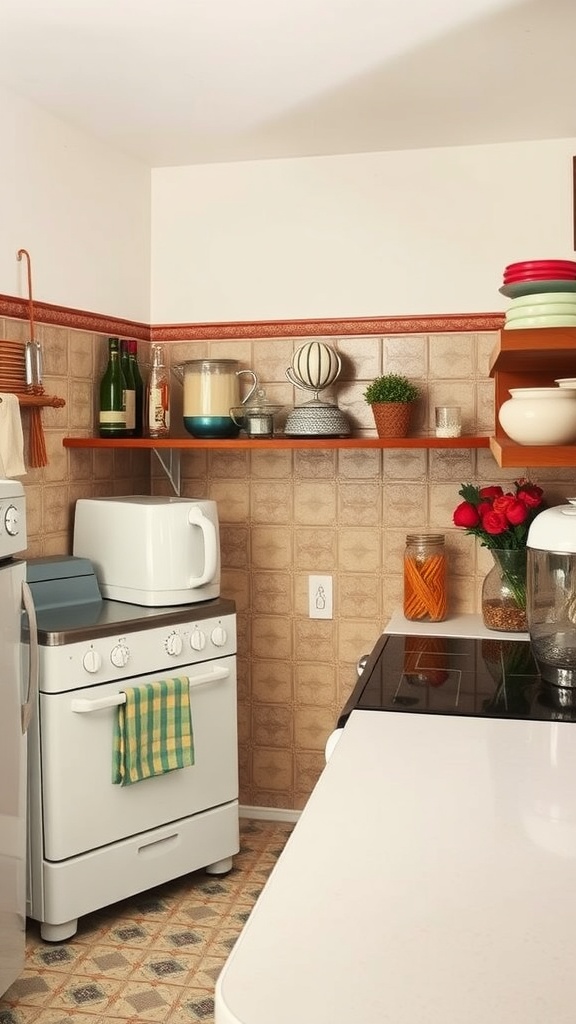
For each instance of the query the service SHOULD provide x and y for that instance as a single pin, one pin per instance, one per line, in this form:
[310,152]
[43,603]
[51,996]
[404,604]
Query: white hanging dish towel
[11,437]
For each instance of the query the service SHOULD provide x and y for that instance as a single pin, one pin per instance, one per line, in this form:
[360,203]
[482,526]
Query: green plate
[512,291]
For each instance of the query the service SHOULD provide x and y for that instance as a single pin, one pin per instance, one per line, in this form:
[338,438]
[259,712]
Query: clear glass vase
[504,591]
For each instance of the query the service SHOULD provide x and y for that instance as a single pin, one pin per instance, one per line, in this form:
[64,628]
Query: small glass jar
[425,597]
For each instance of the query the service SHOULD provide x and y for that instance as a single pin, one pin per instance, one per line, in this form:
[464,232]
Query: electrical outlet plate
[320,597]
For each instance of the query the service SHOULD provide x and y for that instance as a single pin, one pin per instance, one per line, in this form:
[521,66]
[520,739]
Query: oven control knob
[11,521]
[173,644]
[198,640]
[219,636]
[92,660]
[120,655]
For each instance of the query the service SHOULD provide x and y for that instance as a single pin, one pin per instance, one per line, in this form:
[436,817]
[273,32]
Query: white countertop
[431,879]
[458,625]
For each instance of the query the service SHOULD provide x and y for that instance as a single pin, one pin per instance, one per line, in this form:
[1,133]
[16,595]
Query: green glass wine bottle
[139,386]
[112,414]
[130,389]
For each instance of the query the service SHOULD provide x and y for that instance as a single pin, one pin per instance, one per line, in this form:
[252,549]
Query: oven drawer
[83,810]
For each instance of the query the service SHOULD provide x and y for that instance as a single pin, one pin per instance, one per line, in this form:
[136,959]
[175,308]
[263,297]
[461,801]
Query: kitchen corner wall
[286,514]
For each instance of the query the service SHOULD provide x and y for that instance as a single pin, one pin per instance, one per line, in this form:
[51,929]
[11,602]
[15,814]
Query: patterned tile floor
[154,957]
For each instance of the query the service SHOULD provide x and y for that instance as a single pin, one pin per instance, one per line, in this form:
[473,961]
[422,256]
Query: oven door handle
[82,706]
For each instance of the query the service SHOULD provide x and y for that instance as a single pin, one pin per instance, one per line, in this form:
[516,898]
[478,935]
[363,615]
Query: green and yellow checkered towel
[153,731]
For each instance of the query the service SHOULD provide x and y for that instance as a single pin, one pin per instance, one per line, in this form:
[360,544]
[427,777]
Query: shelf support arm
[169,459]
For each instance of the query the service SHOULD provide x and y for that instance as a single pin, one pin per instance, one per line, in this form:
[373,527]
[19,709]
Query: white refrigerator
[18,684]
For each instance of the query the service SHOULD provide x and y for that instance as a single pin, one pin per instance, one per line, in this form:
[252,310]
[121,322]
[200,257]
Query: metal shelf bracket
[169,459]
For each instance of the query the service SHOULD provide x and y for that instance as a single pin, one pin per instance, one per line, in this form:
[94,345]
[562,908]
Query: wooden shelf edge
[244,443]
[40,401]
[508,453]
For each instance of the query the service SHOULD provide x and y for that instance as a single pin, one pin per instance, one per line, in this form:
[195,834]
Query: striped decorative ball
[316,365]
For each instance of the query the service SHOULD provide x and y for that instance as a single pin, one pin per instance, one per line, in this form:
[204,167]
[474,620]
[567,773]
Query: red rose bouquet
[500,520]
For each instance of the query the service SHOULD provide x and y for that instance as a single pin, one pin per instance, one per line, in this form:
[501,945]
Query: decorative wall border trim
[76,319]
[79,320]
[433,324]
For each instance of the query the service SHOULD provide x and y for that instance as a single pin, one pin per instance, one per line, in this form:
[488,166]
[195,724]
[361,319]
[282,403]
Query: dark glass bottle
[130,390]
[112,414]
[139,386]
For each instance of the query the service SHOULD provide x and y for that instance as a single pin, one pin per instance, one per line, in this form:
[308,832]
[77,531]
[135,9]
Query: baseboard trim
[268,813]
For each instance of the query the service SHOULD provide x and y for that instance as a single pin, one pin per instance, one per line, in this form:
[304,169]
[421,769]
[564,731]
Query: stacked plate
[543,294]
[12,367]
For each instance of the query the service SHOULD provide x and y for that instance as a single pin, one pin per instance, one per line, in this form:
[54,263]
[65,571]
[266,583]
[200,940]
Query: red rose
[516,513]
[490,492]
[530,494]
[502,504]
[466,515]
[494,523]
[483,508]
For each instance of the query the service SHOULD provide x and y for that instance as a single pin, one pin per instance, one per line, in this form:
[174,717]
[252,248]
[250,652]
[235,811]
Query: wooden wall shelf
[524,359]
[263,444]
[41,401]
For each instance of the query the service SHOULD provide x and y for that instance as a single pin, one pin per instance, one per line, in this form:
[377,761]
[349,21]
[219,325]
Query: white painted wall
[81,210]
[422,231]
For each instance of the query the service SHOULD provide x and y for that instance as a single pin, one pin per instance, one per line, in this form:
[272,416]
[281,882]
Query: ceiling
[174,82]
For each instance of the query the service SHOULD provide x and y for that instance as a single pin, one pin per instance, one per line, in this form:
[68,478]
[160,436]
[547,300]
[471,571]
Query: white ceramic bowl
[539,416]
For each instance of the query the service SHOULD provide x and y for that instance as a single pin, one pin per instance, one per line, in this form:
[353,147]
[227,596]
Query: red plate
[541,275]
[539,264]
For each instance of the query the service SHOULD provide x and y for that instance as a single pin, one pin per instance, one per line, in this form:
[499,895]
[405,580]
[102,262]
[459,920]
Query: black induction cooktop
[492,677]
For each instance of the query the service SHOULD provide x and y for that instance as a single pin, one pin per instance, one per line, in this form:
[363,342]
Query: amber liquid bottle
[157,405]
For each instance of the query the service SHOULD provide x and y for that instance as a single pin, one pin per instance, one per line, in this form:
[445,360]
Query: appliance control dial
[219,636]
[197,640]
[120,655]
[11,521]
[92,660]
[173,645]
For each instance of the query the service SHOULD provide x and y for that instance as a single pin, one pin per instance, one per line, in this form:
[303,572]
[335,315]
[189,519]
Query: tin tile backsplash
[286,514]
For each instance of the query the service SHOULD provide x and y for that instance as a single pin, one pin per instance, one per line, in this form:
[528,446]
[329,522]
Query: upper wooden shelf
[264,443]
[540,351]
[531,358]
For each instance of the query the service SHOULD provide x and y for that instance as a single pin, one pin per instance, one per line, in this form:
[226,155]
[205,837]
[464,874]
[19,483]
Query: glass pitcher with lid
[551,593]
[211,390]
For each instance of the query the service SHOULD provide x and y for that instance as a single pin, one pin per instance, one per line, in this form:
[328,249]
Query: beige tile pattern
[287,514]
[152,958]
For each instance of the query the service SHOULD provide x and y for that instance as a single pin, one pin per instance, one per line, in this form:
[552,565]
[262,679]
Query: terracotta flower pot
[392,418]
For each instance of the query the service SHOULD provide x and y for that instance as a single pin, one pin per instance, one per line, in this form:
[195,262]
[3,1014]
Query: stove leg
[219,867]
[58,932]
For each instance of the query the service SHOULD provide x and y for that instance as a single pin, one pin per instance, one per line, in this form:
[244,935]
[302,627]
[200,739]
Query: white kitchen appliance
[151,550]
[91,842]
[551,605]
[15,711]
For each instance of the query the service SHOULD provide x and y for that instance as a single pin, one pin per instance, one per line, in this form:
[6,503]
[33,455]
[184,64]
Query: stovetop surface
[72,623]
[495,678]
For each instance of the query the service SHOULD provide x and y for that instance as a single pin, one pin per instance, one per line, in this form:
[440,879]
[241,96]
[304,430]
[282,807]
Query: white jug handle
[254,384]
[197,517]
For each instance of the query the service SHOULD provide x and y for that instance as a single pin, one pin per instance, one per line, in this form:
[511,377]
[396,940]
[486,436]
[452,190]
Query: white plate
[540,321]
[542,298]
[546,309]
[566,382]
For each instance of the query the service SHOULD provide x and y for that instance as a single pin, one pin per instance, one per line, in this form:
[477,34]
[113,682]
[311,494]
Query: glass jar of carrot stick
[425,577]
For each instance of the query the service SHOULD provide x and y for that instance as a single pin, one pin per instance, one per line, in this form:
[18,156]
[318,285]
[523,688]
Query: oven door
[83,810]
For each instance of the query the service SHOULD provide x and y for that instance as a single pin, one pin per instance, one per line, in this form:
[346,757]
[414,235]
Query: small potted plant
[391,397]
